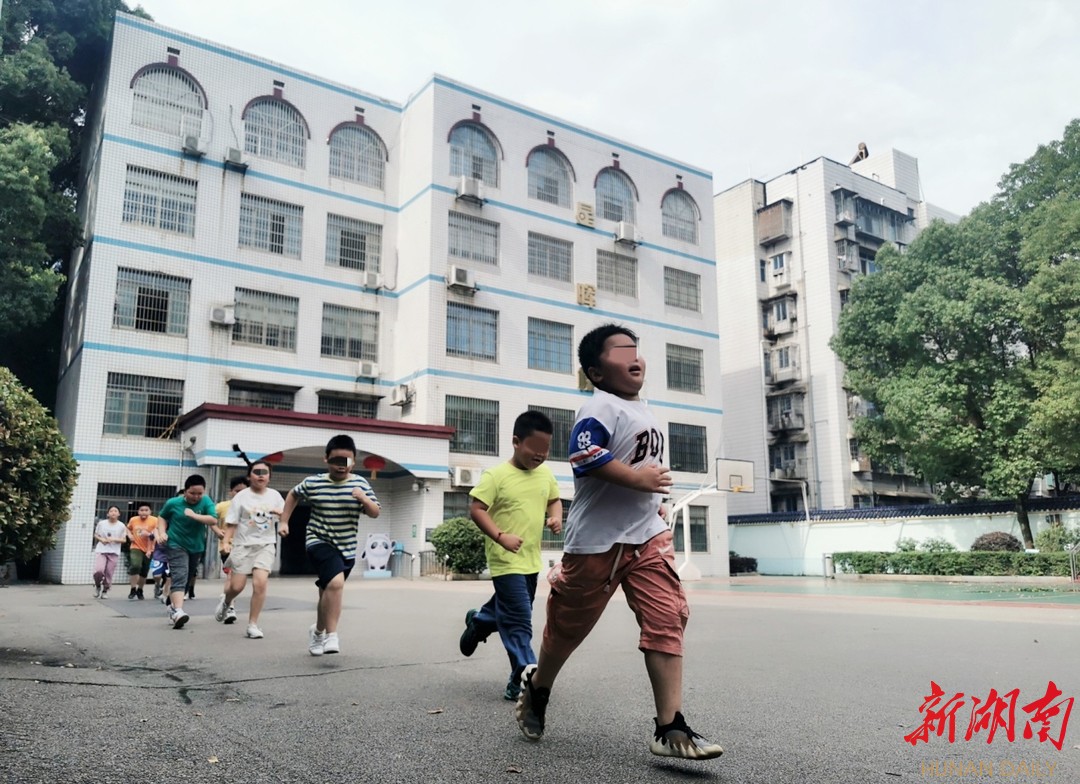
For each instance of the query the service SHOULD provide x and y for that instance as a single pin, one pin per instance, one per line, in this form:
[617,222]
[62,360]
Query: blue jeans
[509,611]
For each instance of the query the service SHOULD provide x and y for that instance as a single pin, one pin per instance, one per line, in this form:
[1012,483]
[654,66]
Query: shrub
[937,544]
[37,474]
[990,564]
[906,545]
[738,564]
[997,541]
[460,539]
[1054,538]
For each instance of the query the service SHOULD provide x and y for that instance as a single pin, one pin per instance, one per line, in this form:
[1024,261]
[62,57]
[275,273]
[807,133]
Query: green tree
[37,474]
[461,543]
[968,344]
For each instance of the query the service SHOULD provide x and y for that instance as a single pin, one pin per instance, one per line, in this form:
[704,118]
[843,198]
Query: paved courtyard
[800,680]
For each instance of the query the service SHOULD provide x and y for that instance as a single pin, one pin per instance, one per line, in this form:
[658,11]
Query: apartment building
[272,258]
[787,251]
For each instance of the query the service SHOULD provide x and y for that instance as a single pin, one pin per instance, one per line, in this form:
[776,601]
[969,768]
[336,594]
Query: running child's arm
[650,478]
[479,513]
[370,505]
[209,520]
[554,516]
[290,504]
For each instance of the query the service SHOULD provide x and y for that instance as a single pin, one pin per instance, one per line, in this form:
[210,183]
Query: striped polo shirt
[335,514]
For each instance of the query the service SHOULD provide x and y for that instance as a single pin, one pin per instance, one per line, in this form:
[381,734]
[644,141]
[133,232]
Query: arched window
[615,196]
[167,99]
[358,154]
[680,216]
[473,154]
[273,129]
[549,176]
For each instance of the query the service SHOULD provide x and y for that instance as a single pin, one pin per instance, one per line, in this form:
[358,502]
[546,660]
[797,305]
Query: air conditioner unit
[234,159]
[470,189]
[466,477]
[400,395]
[191,146]
[225,315]
[460,278]
[372,280]
[626,233]
[367,370]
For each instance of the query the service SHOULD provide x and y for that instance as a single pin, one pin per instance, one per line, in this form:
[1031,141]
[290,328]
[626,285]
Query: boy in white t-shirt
[615,537]
[251,543]
[109,534]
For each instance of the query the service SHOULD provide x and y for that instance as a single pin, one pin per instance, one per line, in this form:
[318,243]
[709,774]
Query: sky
[743,89]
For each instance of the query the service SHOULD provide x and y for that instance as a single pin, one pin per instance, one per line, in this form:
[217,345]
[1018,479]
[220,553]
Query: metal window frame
[688,448]
[471,331]
[551,257]
[266,319]
[616,273]
[682,289]
[476,424]
[349,333]
[550,345]
[685,368]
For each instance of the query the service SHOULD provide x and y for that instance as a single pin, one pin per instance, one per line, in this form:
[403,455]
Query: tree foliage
[968,344]
[462,541]
[37,474]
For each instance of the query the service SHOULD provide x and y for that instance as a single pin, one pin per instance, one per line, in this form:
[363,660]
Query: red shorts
[582,585]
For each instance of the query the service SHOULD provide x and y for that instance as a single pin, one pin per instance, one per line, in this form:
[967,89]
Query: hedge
[990,564]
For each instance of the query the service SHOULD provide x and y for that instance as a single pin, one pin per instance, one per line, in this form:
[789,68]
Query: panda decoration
[377,552]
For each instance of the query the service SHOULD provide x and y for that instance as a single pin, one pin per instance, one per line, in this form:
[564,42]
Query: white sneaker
[179,618]
[219,611]
[316,641]
[230,615]
[330,643]
[97,592]
[253,631]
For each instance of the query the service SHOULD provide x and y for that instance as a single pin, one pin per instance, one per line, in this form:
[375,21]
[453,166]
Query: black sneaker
[472,636]
[139,595]
[531,706]
[132,595]
[678,740]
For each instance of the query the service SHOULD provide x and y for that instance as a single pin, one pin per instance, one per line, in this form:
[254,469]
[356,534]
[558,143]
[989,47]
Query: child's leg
[259,579]
[513,618]
[234,587]
[486,618]
[330,604]
[109,570]
[99,568]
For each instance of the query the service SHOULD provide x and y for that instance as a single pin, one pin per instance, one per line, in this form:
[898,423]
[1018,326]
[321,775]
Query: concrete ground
[804,683]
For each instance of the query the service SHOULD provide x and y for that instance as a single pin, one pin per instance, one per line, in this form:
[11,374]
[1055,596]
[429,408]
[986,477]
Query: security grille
[699,531]
[471,332]
[614,196]
[472,154]
[275,130]
[549,178]
[254,396]
[269,225]
[477,425]
[358,154]
[165,99]
[679,217]
[473,238]
[350,332]
[144,406]
[552,541]
[341,405]
[687,447]
[684,368]
[550,257]
[550,346]
[265,319]
[128,497]
[616,273]
[352,243]
[151,302]
[161,200]
[682,289]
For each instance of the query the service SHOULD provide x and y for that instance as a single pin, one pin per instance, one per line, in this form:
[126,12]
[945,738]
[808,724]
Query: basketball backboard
[735,476]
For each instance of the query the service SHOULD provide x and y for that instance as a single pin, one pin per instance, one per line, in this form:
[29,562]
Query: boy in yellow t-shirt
[511,505]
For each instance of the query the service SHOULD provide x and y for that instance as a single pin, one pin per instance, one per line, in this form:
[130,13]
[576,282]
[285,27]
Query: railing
[431,565]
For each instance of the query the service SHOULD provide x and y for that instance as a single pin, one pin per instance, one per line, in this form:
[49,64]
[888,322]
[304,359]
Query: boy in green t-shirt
[182,524]
[511,505]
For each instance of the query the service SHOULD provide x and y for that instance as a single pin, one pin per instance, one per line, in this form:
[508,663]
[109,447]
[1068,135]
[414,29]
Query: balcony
[774,222]
[786,420]
[860,464]
[792,469]
[785,374]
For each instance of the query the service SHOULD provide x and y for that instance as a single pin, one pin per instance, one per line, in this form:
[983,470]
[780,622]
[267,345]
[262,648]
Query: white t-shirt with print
[253,515]
[111,530]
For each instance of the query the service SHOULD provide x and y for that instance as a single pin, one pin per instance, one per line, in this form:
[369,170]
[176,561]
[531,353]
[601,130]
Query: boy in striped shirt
[337,498]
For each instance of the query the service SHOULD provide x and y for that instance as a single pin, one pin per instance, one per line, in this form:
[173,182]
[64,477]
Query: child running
[616,537]
[251,543]
[511,505]
[141,530]
[336,498]
[182,524]
[110,534]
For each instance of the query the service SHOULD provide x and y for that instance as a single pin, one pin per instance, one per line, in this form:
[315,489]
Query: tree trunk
[1025,522]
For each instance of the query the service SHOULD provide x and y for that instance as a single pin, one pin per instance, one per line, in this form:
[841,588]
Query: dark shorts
[182,565]
[328,562]
[138,562]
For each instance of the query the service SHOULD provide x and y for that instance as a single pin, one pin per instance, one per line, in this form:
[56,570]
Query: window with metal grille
[161,200]
[682,289]
[128,497]
[476,424]
[562,421]
[679,214]
[348,405]
[699,531]
[551,346]
[454,504]
[549,177]
[350,333]
[616,273]
[684,366]
[553,541]
[473,154]
[474,238]
[275,130]
[258,396]
[550,257]
[358,154]
[166,99]
[264,319]
[614,196]
[151,302]
[471,332]
[137,405]
[270,225]
[688,448]
[353,243]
